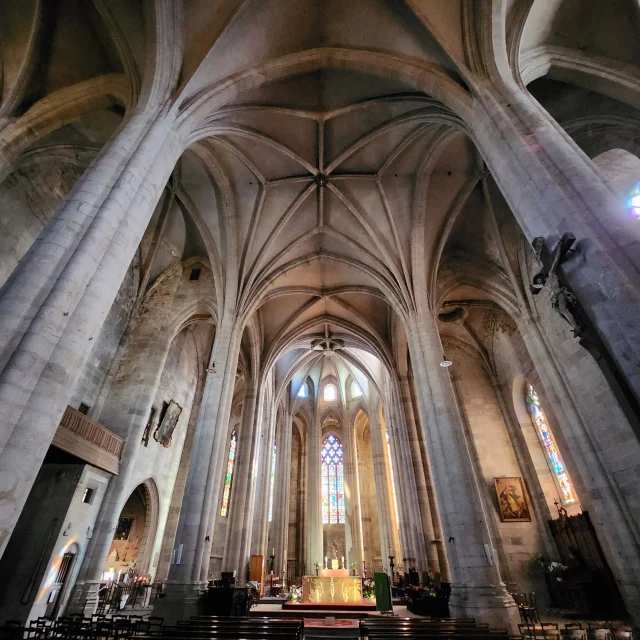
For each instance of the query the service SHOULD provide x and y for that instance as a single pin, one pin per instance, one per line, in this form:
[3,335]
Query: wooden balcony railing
[88,440]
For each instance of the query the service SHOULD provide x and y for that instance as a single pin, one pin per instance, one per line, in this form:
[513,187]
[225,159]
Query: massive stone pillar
[55,302]
[314,494]
[353,525]
[238,538]
[605,482]
[281,491]
[192,547]
[179,488]
[389,535]
[260,531]
[422,495]
[552,187]
[414,549]
[477,588]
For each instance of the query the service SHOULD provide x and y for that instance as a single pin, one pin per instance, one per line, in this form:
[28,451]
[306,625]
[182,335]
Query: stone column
[179,488]
[314,493]
[353,524]
[436,520]
[240,521]
[193,543]
[477,588]
[400,510]
[605,480]
[261,521]
[389,539]
[424,504]
[281,491]
[552,187]
[56,300]
[407,480]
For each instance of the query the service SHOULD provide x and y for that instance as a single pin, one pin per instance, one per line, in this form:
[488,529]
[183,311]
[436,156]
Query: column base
[492,605]
[83,598]
[179,602]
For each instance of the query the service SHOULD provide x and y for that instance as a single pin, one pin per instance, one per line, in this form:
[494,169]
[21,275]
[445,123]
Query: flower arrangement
[353,566]
[295,594]
[368,589]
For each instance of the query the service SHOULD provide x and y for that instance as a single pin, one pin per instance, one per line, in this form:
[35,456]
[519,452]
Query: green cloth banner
[383,592]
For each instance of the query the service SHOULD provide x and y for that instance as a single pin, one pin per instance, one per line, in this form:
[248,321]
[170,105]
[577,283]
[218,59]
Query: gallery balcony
[82,437]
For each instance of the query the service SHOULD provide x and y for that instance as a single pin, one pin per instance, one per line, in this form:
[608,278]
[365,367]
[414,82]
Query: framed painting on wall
[168,424]
[512,500]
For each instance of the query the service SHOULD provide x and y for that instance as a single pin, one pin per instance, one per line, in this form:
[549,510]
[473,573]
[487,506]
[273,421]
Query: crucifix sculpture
[562,299]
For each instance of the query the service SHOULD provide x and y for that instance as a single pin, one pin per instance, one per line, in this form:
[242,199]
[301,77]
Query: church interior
[320,301]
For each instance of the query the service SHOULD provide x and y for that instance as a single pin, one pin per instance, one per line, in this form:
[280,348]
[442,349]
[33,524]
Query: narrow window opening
[87,498]
[231,460]
[330,393]
[195,274]
[272,481]
[548,443]
[84,408]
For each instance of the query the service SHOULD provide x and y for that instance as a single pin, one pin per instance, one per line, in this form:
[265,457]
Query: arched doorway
[133,539]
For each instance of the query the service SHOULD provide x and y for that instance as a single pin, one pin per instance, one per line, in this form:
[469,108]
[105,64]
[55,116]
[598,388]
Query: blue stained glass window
[549,445]
[333,508]
[634,202]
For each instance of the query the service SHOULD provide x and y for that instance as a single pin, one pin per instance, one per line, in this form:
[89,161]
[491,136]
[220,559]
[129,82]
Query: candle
[273,551]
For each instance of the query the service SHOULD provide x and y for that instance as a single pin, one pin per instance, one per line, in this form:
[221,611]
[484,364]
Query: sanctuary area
[317,300]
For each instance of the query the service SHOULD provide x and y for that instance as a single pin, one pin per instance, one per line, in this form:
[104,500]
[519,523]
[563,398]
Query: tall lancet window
[330,393]
[549,445]
[231,460]
[333,511]
[393,484]
[272,481]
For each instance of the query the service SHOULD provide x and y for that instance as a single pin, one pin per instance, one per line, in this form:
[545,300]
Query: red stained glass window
[224,509]
[549,445]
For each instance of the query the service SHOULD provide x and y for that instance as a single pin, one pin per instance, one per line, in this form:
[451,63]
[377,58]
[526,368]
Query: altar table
[332,590]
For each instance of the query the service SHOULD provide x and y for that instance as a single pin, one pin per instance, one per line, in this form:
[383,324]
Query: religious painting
[168,424]
[512,500]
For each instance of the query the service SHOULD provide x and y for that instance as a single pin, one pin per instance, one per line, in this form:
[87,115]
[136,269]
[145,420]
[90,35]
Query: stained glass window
[330,393]
[634,202]
[356,391]
[549,445]
[333,511]
[393,484]
[224,510]
[272,481]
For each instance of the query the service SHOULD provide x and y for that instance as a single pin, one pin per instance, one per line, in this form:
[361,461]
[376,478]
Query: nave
[298,293]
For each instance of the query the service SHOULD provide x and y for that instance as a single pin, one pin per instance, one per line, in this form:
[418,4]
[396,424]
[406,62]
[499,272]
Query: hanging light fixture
[445,363]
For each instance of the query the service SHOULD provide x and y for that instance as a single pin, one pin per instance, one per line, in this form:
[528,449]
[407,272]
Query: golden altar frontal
[332,590]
